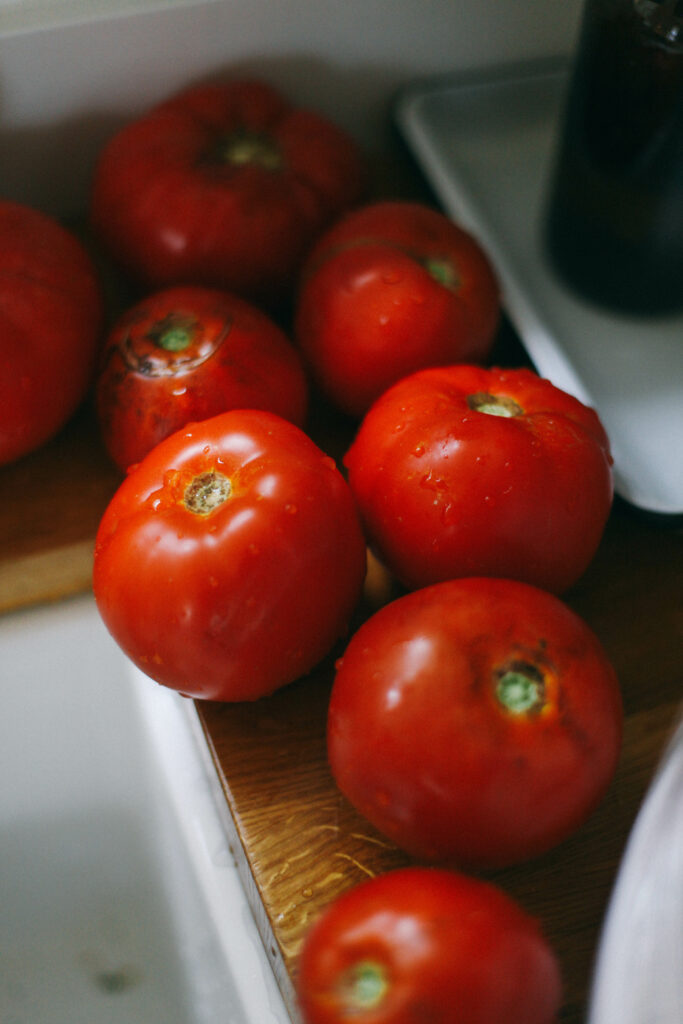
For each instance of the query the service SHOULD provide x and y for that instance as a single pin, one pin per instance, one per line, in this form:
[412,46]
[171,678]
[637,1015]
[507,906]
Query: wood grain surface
[51,502]
[296,840]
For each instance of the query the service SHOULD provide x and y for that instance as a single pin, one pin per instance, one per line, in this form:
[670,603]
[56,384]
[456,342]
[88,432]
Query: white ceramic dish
[486,145]
[119,898]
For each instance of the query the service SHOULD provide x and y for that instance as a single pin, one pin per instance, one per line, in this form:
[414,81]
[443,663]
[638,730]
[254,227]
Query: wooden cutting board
[51,502]
[296,840]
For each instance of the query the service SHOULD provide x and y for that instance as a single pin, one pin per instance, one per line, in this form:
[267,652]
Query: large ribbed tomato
[225,184]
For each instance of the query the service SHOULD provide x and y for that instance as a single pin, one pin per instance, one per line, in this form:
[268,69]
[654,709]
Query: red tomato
[225,185]
[50,319]
[463,471]
[426,946]
[477,722]
[186,354]
[388,290]
[229,561]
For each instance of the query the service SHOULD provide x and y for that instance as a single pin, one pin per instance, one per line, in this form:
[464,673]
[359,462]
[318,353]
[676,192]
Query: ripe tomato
[464,471]
[477,721]
[50,319]
[185,354]
[228,562]
[419,945]
[390,289]
[224,184]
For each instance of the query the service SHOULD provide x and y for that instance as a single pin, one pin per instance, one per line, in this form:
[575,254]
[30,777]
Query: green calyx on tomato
[206,492]
[174,333]
[494,405]
[364,986]
[443,271]
[520,688]
[243,148]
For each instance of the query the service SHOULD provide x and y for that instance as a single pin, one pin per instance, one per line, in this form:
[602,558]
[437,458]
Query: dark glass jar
[614,227]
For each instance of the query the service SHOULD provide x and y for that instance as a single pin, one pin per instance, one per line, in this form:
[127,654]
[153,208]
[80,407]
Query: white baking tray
[486,146]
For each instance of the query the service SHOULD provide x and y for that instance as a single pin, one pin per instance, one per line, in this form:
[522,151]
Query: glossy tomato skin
[418,945]
[185,354]
[475,722]
[223,184]
[466,471]
[50,322]
[389,289]
[229,561]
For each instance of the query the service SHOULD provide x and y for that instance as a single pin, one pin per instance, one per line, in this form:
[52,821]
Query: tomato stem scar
[206,492]
[364,985]
[443,271]
[494,405]
[244,148]
[174,332]
[520,689]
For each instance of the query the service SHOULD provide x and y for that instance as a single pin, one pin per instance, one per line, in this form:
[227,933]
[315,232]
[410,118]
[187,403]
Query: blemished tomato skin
[468,471]
[422,945]
[227,592]
[185,354]
[475,722]
[51,314]
[391,288]
[224,184]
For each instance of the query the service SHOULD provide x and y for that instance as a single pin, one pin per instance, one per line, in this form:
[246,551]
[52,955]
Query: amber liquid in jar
[614,227]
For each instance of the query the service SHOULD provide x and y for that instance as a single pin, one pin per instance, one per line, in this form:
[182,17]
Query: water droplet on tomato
[433,482]
[447,512]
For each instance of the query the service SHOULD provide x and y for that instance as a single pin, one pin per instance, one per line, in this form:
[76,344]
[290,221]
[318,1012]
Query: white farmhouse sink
[119,899]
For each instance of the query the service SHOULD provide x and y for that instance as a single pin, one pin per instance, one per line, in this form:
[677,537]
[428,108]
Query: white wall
[71,71]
